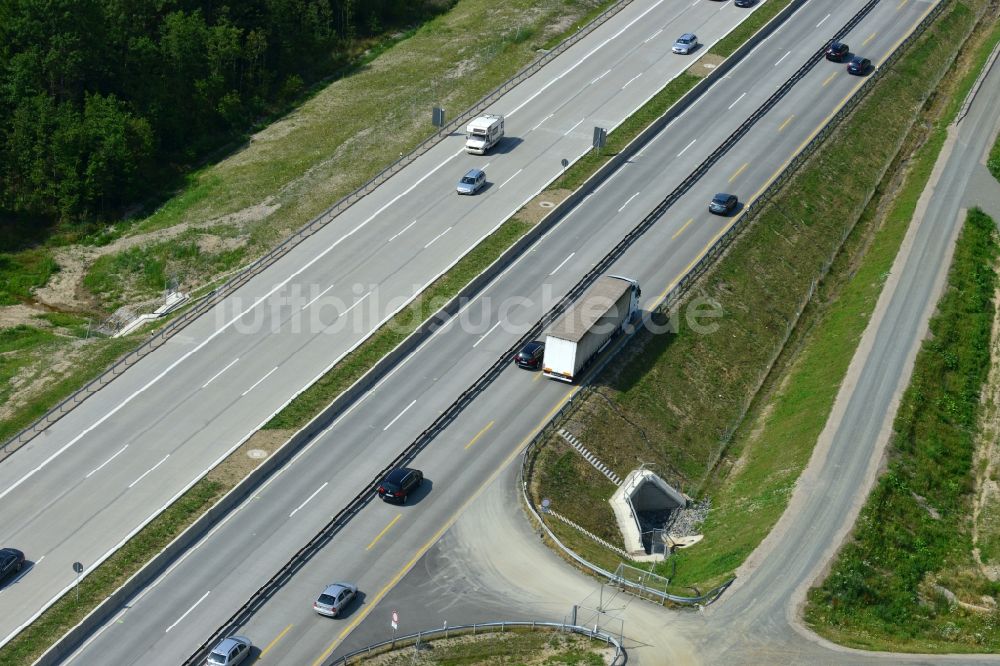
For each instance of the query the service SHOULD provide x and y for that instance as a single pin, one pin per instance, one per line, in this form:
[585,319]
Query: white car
[686,43]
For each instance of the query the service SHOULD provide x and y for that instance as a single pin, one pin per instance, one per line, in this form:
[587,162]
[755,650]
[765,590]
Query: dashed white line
[653,36]
[188,611]
[511,178]
[437,237]
[561,264]
[309,499]
[355,304]
[737,100]
[402,230]
[823,21]
[627,202]
[782,58]
[101,466]
[600,77]
[216,375]
[399,415]
[257,383]
[542,121]
[686,147]
[631,80]
[574,127]
[148,471]
[482,337]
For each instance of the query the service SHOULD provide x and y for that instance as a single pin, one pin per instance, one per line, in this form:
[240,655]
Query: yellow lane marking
[480,433]
[830,78]
[384,530]
[681,230]
[274,642]
[739,171]
[369,606]
[784,124]
[870,38]
[901,4]
[538,375]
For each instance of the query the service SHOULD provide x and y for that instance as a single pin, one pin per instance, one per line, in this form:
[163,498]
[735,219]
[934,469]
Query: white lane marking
[483,336]
[101,466]
[399,415]
[652,37]
[686,147]
[226,326]
[402,230]
[782,58]
[216,375]
[437,237]
[561,264]
[485,166]
[600,77]
[823,21]
[318,297]
[187,612]
[631,80]
[511,178]
[628,202]
[309,499]
[148,471]
[542,121]
[355,304]
[257,383]
[737,100]
[574,127]
[586,56]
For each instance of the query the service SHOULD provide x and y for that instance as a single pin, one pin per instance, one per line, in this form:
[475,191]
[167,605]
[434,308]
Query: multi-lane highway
[491,565]
[378,546]
[95,477]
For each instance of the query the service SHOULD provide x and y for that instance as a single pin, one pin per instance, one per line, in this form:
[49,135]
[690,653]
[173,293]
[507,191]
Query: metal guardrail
[620,658]
[677,293]
[218,294]
[338,521]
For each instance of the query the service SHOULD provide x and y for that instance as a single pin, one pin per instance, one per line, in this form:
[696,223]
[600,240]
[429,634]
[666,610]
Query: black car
[859,66]
[11,562]
[531,355]
[723,204]
[399,483]
[837,51]
[744,3]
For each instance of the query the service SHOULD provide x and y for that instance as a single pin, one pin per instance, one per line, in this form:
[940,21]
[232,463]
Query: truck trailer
[579,335]
[483,133]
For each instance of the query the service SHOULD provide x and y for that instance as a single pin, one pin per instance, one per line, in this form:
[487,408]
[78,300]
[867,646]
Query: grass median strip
[909,580]
[675,398]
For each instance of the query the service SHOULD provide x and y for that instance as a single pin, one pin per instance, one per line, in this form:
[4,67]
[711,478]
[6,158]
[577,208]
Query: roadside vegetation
[680,401]
[230,212]
[514,646]
[913,578]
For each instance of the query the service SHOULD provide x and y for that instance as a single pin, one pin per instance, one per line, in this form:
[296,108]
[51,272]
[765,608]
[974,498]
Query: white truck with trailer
[483,133]
[589,325]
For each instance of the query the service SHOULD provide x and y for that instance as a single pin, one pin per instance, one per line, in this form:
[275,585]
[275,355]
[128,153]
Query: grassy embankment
[686,392]
[233,211]
[900,583]
[514,646]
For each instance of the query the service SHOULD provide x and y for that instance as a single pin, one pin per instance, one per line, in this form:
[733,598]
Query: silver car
[472,182]
[230,651]
[334,598]
[685,43]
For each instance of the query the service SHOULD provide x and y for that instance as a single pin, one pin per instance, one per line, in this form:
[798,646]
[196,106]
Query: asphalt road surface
[380,545]
[95,477]
[491,566]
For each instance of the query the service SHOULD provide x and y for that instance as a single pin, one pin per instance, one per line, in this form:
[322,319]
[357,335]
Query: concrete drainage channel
[239,493]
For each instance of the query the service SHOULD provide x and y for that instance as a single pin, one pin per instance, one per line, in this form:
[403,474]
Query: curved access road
[491,565]
[79,490]
[381,543]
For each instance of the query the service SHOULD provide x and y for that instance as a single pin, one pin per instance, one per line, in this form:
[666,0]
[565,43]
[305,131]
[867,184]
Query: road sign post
[78,568]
